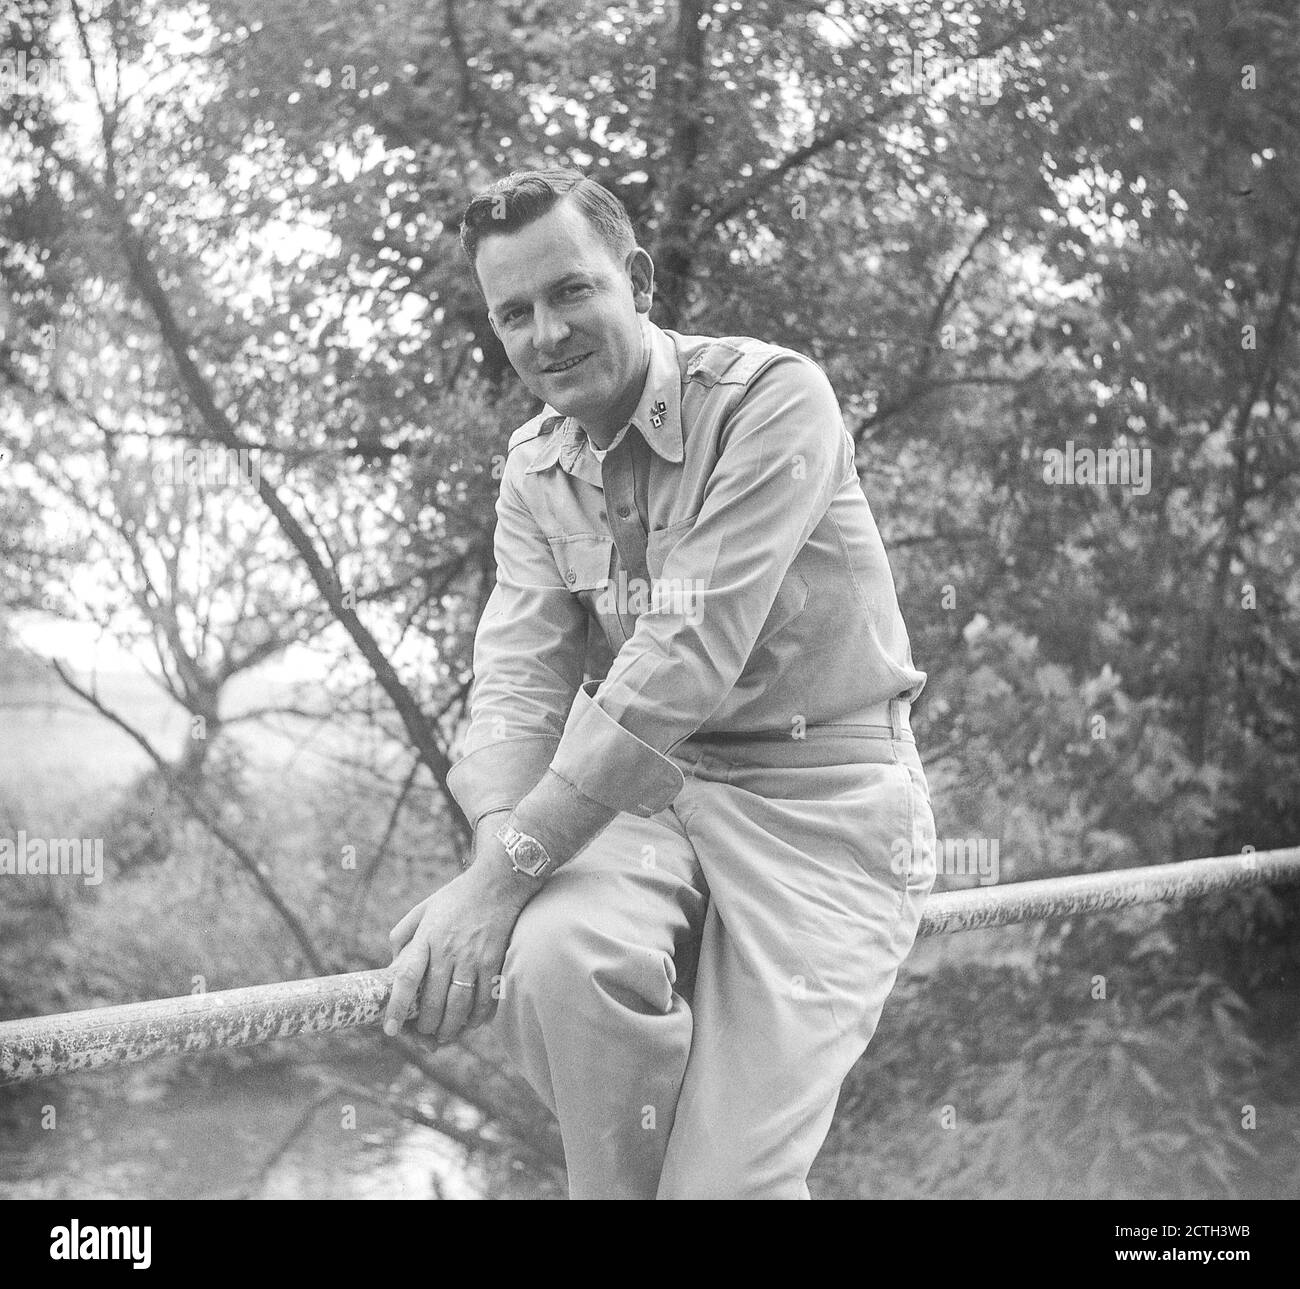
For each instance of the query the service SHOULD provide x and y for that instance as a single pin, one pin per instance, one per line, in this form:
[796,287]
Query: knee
[544,959]
[561,960]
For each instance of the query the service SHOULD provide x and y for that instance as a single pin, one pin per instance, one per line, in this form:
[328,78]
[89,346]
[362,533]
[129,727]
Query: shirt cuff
[500,775]
[609,764]
[561,817]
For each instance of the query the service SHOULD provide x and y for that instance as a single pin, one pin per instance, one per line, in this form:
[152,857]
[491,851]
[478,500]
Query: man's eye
[577,288]
[512,315]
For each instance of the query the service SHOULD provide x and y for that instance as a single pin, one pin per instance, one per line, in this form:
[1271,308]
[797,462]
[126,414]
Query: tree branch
[421,733]
[248,862]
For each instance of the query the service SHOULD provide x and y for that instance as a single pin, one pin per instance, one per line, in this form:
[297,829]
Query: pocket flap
[583,560]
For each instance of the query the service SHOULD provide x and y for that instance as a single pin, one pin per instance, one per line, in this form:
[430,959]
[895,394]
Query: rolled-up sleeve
[783,453]
[528,663]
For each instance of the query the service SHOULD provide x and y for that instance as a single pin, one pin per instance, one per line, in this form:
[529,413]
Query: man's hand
[459,934]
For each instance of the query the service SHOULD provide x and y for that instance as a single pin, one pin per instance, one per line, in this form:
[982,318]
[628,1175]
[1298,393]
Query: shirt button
[571,576]
[623,512]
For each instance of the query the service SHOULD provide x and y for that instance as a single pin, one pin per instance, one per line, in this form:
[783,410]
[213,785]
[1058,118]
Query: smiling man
[699,835]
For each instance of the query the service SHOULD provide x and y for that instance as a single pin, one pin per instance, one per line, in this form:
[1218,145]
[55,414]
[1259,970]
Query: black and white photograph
[667,599]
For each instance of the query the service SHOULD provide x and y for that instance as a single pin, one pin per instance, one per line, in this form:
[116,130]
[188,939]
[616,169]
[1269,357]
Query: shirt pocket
[583,560]
[659,543]
[791,596]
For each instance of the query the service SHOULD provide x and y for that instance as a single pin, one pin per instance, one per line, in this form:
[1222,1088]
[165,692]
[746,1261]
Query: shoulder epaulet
[733,359]
[537,428]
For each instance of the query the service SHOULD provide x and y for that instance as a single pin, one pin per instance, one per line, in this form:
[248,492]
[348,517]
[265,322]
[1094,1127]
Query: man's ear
[641,269]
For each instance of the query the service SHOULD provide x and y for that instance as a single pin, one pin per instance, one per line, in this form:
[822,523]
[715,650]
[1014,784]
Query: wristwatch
[527,854]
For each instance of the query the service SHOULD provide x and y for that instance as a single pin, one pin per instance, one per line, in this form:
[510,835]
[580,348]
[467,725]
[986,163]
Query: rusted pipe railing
[44,1046]
[1053,897]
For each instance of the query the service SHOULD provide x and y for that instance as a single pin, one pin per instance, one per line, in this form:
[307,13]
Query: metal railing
[45,1046]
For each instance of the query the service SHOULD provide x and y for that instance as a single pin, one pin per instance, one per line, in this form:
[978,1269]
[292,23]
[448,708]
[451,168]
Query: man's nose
[550,330]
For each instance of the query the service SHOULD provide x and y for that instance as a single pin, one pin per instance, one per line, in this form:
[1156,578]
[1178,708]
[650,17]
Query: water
[218,1131]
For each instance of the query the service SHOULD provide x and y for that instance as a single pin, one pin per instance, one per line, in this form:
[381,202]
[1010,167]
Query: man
[699,811]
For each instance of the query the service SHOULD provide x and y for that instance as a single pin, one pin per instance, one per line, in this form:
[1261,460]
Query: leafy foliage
[230,221]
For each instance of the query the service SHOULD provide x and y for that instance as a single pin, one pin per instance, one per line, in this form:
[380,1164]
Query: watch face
[530,857]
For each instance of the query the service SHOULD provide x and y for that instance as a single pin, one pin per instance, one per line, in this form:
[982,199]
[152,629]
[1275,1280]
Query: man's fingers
[406,984]
[434,999]
[460,1003]
[400,935]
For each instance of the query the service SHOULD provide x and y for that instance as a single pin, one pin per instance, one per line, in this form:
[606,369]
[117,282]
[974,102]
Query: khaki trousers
[688,993]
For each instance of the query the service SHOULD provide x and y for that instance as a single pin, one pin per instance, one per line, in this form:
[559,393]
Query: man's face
[555,293]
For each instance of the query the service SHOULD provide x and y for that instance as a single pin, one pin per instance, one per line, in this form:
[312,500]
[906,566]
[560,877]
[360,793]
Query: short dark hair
[525,195]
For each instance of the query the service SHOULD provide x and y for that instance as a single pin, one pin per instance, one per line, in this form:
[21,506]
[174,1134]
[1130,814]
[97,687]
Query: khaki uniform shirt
[718,572]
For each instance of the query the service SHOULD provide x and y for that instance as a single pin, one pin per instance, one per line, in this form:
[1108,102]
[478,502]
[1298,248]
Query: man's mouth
[567,365]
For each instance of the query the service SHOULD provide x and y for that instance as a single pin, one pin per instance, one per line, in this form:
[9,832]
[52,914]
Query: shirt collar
[658,417]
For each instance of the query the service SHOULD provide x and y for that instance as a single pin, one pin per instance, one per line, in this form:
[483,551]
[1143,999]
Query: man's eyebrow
[563,279]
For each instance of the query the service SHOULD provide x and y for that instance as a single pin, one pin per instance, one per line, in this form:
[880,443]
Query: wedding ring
[464,984]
